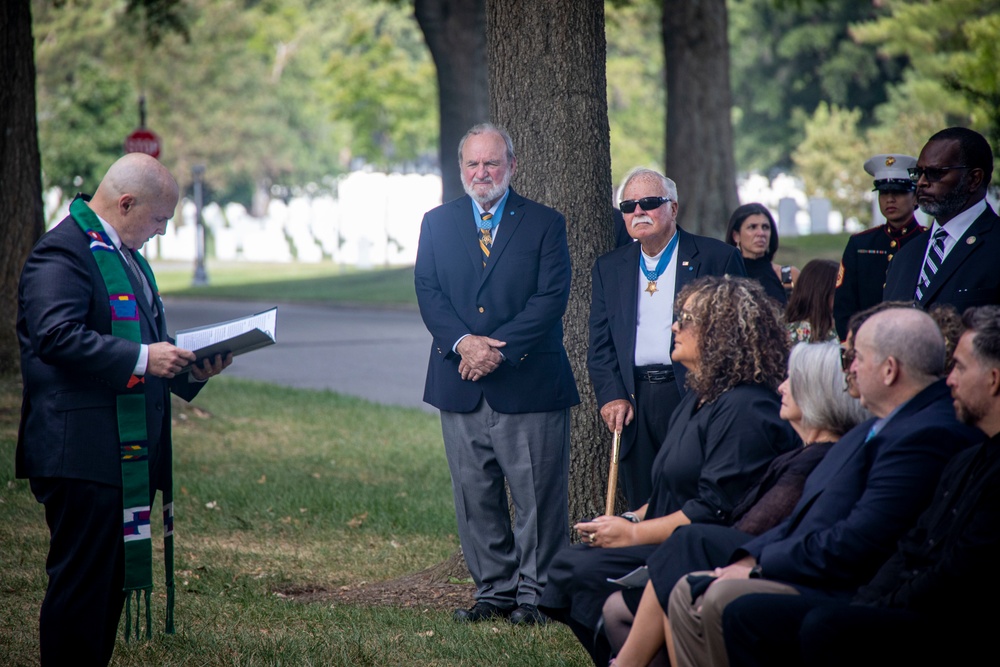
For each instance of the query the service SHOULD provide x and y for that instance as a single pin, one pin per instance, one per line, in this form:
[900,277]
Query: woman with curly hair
[721,438]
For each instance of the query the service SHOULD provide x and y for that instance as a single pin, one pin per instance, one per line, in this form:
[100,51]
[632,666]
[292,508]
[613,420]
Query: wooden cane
[609,508]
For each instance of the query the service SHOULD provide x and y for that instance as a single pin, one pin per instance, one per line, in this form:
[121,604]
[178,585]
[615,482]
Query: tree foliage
[953,47]
[789,56]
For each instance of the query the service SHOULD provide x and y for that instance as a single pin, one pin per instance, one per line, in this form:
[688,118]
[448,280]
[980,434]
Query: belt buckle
[657,377]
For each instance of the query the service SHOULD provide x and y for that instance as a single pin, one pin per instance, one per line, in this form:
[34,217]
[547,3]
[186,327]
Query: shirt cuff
[143,361]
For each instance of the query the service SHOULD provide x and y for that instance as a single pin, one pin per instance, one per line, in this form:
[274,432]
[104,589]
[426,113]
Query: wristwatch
[756,572]
[631,516]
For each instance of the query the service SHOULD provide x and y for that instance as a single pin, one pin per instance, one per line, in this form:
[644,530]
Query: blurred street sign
[143,140]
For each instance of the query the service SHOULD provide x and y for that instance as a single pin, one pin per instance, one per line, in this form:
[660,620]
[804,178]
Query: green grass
[800,249]
[280,489]
[294,282]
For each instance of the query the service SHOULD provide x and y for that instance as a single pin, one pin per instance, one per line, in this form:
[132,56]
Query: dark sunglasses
[846,358]
[933,174]
[646,204]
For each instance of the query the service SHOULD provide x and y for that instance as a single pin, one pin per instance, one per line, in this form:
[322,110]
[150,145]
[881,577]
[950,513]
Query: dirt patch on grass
[442,587]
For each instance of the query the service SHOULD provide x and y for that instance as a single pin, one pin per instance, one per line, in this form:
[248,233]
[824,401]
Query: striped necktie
[485,237]
[933,262]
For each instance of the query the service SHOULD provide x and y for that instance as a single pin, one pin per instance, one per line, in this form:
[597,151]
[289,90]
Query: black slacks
[86,567]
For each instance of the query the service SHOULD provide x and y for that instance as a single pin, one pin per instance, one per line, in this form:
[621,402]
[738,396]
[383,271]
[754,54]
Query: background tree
[830,160]
[455,32]
[636,91]
[788,56]
[953,49]
[20,181]
[548,89]
[699,155]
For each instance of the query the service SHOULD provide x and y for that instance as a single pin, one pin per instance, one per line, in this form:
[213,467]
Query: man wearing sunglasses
[955,261]
[632,308]
[868,253]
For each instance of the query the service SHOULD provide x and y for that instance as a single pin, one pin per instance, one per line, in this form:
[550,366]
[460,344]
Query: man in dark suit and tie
[955,261]
[857,502]
[492,279]
[94,438]
[631,311]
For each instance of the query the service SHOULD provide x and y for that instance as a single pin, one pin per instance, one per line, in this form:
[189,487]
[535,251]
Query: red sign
[143,141]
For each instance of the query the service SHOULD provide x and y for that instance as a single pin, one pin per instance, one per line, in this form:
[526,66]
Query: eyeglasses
[933,174]
[684,319]
[846,358]
[646,204]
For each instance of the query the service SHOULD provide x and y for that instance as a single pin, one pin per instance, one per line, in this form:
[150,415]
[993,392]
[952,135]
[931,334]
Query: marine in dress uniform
[868,253]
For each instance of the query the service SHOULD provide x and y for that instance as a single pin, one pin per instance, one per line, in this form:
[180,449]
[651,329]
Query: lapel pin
[685,263]
[970,240]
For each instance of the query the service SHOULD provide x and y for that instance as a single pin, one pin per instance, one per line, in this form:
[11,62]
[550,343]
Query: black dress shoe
[528,614]
[482,611]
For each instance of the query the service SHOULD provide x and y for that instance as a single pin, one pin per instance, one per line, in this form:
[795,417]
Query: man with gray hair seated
[857,502]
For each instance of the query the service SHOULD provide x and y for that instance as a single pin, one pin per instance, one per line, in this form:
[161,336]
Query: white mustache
[641,219]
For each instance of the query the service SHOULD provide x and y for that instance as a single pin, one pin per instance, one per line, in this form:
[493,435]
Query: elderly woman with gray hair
[815,401]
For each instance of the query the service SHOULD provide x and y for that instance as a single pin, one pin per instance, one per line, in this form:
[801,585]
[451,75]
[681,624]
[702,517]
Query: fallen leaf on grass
[357,521]
[429,633]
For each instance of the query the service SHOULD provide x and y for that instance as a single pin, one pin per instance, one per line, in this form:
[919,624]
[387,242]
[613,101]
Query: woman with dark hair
[752,230]
[809,313]
[721,438]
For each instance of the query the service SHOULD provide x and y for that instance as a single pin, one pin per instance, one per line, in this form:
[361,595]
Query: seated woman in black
[721,438]
[816,402]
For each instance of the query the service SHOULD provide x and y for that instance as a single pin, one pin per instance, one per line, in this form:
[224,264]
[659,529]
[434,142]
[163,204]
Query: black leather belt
[654,374]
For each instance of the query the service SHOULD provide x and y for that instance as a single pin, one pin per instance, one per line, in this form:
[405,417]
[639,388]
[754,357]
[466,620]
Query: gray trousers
[697,626]
[531,450]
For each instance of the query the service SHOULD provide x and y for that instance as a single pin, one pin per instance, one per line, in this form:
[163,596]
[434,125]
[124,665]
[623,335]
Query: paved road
[379,355]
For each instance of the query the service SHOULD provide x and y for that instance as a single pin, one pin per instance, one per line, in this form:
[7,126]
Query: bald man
[94,439]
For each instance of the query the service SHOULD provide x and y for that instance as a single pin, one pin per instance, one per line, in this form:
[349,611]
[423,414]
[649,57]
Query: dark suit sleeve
[436,308]
[899,485]
[545,308]
[56,297]
[602,357]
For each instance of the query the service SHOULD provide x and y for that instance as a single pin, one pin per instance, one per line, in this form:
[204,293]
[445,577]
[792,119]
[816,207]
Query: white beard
[492,194]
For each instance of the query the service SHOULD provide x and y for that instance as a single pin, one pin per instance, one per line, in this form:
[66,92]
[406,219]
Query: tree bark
[699,155]
[548,89]
[455,32]
[21,216]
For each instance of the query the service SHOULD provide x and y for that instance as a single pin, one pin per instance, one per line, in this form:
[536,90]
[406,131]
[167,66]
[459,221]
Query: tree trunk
[549,91]
[455,32]
[699,131]
[21,217]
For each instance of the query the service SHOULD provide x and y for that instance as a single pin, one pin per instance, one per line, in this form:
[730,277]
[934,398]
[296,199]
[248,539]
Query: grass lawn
[276,490]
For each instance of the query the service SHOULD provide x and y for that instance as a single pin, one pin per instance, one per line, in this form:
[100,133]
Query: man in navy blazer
[635,382]
[858,501]
[955,261]
[492,279]
[73,367]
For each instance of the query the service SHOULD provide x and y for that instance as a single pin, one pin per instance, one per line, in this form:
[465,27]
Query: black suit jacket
[614,309]
[863,496]
[519,297]
[969,275]
[72,367]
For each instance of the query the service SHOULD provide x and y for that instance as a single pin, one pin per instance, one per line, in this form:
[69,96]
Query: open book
[244,334]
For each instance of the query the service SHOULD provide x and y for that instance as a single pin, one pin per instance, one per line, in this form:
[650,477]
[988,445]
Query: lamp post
[200,275]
